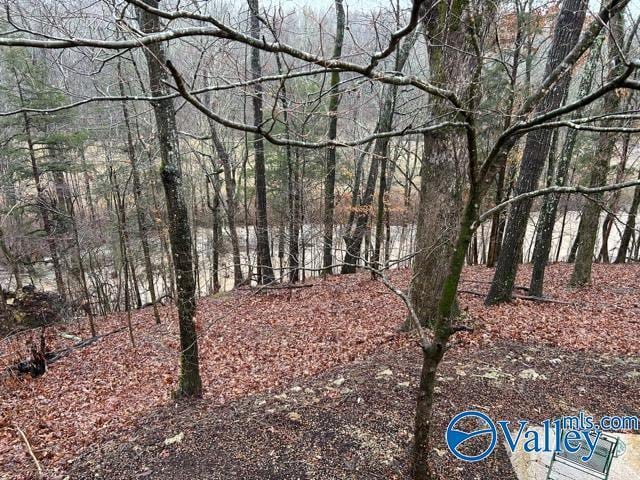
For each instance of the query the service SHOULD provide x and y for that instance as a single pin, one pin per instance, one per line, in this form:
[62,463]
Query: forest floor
[316,382]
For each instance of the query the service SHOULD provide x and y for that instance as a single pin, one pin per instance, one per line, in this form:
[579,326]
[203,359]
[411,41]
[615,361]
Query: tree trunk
[382,189]
[433,354]
[137,197]
[265,267]
[571,258]
[438,219]
[11,259]
[330,161]
[194,242]
[353,239]
[629,228]
[231,203]
[609,220]
[357,180]
[443,232]
[581,274]
[295,220]
[81,271]
[445,158]
[498,219]
[216,230]
[121,222]
[566,34]
[179,229]
[550,205]
[43,206]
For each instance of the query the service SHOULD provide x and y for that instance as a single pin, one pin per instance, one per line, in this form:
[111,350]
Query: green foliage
[495,86]
[26,84]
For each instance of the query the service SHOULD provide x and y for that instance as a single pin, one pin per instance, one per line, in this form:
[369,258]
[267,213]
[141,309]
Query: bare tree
[265,269]
[179,229]
[330,163]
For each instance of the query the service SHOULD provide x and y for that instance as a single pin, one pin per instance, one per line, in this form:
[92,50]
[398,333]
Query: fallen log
[517,287]
[159,301]
[530,298]
[37,364]
[285,286]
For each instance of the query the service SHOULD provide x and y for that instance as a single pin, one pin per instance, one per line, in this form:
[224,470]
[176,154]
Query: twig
[33,455]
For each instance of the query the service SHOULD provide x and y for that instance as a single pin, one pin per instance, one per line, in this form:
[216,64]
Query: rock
[294,416]
[338,381]
[384,373]
[175,439]
[491,375]
[531,374]
[68,336]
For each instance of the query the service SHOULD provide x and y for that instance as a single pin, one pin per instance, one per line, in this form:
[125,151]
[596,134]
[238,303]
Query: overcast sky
[634,5]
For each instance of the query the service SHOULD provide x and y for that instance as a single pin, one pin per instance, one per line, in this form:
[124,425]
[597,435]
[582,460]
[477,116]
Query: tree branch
[182,89]
[553,189]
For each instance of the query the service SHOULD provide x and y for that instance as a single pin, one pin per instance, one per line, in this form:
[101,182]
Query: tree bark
[629,228]
[581,274]
[330,161]
[447,206]
[137,197]
[445,158]
[265,267]
[179,229]
[42,202]
[231,203]
[549,208]
[566,34]
[353,239]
